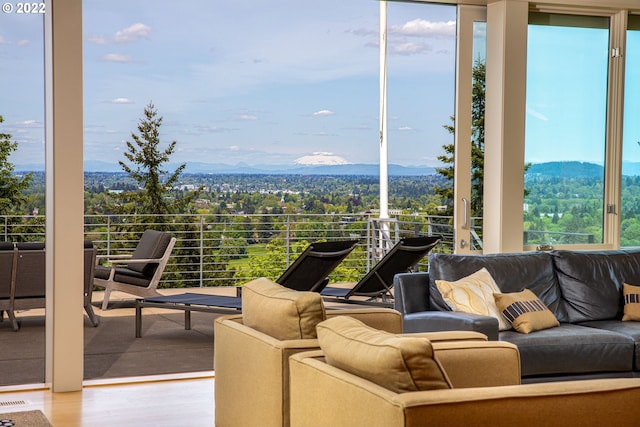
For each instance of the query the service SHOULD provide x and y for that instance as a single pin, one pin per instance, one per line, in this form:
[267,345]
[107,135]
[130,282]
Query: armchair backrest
[90,253]
[6,268]
[30,270]
[152,245]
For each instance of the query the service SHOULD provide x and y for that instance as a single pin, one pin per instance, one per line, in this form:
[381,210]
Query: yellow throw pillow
[395,362]
[281,312]
[525,311]
[631,302]
[473,294]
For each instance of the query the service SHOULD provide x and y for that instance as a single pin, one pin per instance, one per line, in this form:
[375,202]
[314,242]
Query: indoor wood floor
[173,401]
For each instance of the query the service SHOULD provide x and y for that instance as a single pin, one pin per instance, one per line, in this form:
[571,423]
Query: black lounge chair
[377,283]
[309,272]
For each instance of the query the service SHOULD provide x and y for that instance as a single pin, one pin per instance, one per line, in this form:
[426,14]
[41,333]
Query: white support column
[507,22]
[64,194]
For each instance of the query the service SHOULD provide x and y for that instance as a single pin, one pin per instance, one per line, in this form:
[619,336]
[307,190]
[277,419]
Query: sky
[277,85]
[282,82]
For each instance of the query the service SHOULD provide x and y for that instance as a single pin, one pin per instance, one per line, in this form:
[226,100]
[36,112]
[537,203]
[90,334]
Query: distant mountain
[566,170]
[555,169]
[294,169]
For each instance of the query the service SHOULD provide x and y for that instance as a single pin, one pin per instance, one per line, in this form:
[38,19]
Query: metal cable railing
[230,249]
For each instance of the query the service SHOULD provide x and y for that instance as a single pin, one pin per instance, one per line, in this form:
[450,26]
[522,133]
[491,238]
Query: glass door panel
[566,126]
[630,185]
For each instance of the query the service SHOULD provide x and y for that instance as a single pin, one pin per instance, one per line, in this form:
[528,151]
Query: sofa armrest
[411,292]
[431,321]
[322,395]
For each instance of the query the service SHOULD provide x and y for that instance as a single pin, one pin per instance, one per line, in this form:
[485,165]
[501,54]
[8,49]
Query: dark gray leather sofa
[583,289]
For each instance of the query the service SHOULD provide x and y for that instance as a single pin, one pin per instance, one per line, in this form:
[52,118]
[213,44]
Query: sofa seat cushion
[629,329]
[280,312]
[396,362]
[572,349]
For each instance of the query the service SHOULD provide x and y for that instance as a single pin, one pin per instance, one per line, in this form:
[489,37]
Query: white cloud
[247,117]
[133,33]
[120,101]
[422,27]
[116,57]
[23,42]
[92,38]
[408,48]
[4,41]
[234,148]
[323,113]
[405,128]
[321,158]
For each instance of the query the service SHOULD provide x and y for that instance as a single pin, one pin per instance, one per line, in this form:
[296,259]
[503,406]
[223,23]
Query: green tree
[147,160]
[477,147]
[12,188]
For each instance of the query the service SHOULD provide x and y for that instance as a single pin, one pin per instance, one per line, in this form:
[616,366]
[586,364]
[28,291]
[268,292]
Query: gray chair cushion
[152,244]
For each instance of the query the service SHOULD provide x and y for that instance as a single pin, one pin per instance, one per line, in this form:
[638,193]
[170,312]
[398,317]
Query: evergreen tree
[146,169]
[477,147]
[12,188]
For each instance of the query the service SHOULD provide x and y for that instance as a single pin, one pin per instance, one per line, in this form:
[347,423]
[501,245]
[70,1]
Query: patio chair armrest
[112,257]
[134,261]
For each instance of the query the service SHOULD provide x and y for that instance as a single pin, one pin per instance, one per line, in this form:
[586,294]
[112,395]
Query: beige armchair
[252,366]
[324,395]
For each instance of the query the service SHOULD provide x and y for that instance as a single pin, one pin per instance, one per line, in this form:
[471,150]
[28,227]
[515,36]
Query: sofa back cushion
[395,362]
[280,312]
[512,272]
[591,281]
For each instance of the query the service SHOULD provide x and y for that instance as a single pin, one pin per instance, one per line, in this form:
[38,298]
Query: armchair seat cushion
[123,275]
[572,349]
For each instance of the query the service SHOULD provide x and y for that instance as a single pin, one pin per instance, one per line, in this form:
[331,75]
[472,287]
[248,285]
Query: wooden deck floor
[165,401]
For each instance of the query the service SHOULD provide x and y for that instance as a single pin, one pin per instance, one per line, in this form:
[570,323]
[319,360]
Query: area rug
[24,419]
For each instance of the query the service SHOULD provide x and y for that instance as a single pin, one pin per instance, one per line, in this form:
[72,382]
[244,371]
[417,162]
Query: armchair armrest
[433,321]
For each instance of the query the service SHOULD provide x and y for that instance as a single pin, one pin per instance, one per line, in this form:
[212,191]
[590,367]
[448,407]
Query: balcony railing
[230,249]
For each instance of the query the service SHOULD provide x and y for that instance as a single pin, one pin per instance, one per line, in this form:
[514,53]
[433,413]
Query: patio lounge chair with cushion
[23,283]
[377,283]
[141,271]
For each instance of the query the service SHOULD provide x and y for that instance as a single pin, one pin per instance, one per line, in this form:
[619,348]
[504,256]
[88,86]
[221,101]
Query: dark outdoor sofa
[583,289]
